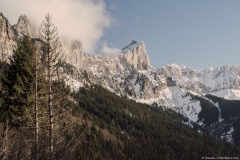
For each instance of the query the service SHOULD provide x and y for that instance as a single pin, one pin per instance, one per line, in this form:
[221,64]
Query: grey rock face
[136,54]
[7,39]
[23,27]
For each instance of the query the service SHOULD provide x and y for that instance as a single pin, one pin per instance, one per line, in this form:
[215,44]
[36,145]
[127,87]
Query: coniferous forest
[41,118]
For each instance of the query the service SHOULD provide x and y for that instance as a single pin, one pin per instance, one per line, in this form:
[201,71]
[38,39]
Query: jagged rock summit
[7,38]
[136,53]
[133,59]
[23,27]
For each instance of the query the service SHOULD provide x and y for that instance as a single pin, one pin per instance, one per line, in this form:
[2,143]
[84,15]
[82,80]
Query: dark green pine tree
[18,85]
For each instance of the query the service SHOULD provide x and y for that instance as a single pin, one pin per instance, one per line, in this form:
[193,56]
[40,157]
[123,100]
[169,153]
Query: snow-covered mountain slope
[232,94]
[224,81]
[179,100]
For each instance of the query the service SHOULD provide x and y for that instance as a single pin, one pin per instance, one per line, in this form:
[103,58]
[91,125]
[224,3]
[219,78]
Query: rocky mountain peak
[5,27]
[23,27]
[136,54]
[7,42]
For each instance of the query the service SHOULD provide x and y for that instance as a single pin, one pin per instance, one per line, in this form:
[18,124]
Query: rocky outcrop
[23,27]
[9,35]
[136,54]
[132,60]
[7,39]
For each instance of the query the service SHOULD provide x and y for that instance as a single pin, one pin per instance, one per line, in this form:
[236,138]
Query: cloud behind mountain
[85,20]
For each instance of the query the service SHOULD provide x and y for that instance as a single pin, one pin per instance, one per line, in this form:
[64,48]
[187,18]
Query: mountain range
[197,94]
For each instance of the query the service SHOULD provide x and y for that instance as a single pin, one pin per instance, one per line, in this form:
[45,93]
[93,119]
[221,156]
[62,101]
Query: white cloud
[106,49]
[84,20]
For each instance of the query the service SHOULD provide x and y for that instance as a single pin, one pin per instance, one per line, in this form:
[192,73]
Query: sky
[196,33]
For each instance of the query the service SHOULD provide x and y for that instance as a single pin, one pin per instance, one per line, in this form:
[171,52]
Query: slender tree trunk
[50,123]
[36,111]
[50,104]
[5,144]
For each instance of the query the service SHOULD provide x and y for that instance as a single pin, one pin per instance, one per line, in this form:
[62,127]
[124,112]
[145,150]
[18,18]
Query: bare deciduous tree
[52,55]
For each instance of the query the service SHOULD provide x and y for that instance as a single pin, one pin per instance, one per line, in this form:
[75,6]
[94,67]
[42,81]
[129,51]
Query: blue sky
[197,33]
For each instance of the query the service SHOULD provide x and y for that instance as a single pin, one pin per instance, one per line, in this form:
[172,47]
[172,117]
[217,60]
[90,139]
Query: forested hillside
[138,131]
[230,112]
